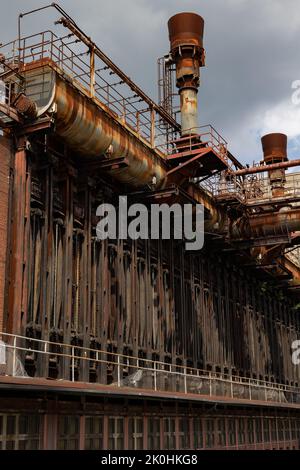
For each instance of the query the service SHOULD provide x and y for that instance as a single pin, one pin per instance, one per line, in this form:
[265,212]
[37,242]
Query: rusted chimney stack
[187,52]
[275,151]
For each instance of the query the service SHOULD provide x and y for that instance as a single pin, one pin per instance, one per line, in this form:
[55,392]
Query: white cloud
[283,117]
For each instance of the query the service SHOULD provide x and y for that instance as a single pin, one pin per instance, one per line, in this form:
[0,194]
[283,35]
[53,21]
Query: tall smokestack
[275,151]
[186,41]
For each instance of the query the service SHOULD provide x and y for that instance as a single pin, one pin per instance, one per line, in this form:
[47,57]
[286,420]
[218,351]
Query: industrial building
[139,344]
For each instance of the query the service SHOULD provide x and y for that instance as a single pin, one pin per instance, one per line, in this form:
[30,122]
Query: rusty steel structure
[138,344]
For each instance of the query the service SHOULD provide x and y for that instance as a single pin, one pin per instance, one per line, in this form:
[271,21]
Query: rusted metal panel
[5,186]
[18,244]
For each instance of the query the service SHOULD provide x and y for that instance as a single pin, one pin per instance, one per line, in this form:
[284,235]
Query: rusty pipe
[262,168]
[186,50]
[91,132]
[277,223]
[188,111]
[217,219]
[275,151]
[94,131]
[263,225]
[274,147]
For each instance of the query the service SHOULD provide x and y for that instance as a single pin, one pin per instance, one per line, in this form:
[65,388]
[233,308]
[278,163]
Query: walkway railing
[135,372]
[94,74]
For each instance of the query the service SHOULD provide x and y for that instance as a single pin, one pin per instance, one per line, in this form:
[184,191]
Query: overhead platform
[199,163]
[197,156]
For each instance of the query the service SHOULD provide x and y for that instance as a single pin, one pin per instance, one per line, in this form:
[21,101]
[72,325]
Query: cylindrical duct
[275,151]
[186,43]
[186,29]
[274,147]
[189,111]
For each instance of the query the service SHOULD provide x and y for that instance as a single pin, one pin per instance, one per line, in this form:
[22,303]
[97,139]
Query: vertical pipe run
[189,111]
[186,44]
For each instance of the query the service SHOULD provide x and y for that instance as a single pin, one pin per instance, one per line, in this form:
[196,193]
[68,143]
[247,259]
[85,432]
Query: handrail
[192,380]
[96,79]
[68,22]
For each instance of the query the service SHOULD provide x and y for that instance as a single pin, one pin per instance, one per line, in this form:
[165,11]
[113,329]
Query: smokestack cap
[186,29]
[274,147]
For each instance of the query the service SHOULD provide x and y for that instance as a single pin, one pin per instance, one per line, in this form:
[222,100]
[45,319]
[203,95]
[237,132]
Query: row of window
[25,432]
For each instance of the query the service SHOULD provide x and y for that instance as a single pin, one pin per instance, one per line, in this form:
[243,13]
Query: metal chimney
[186,41]
[275,151]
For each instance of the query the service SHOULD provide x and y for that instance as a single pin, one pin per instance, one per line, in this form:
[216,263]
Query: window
[210,433]
[250,431]
[136,430]
[298,428]
[266,430]
[19,432]
[258,430]
[221,433]
[241,431]
[198,436]
[153,433]
[68,433]
[287,437]
[280,429]
[29,429]
[231,432]
[94,433]
[116,433]
[11,431]
[294,429]
[273,430]
[169,433]
[184,433]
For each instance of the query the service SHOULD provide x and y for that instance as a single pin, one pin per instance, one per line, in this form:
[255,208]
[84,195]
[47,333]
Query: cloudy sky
[252,57]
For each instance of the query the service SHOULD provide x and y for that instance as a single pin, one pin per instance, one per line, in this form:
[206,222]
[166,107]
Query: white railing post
[46,355]
[210,385]
[14,357]
[266,396]
[73,365]
[119,372]
[185,385]
[279,394]
[155,384]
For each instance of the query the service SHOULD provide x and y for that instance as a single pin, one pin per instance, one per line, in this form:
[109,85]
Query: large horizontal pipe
[91,130]
[264,225]
[262,168]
